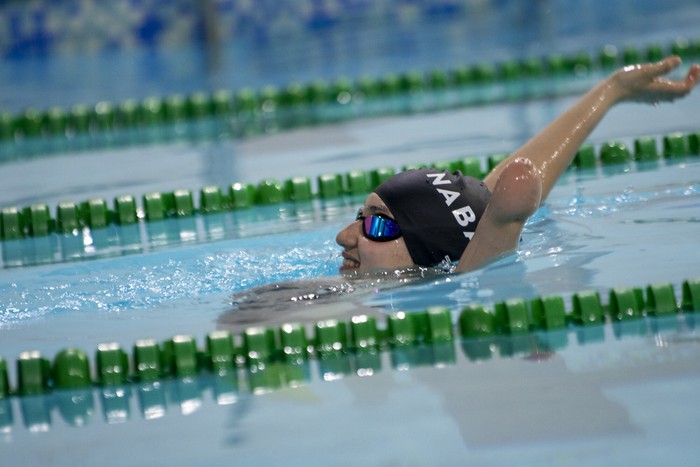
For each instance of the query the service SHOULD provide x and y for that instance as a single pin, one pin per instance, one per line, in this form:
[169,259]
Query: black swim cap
[437,211]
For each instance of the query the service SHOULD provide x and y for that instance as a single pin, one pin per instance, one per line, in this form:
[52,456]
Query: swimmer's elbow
[518,191]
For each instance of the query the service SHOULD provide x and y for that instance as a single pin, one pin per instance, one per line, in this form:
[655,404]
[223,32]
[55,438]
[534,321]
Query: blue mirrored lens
[380,228]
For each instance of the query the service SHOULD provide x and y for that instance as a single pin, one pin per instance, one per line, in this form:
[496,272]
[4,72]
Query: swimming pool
[593,395]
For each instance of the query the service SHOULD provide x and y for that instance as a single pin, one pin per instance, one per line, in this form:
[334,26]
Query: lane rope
[71,218]
[248,112]
[272,358]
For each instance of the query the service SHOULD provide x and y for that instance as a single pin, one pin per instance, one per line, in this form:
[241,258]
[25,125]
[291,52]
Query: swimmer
[424,218]
[428,218]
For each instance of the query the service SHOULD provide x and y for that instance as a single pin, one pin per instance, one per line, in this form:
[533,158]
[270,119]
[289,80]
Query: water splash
[144,281]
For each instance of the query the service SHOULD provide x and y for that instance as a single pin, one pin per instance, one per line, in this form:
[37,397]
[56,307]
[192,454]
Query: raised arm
[521,182]
[552,150]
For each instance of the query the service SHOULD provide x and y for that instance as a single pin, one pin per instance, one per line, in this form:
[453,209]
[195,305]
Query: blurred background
[63,52]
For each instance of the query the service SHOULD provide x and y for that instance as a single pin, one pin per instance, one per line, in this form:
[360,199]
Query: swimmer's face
[362,255]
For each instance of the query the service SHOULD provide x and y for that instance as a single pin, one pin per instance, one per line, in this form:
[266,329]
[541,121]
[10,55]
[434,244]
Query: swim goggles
[379,228]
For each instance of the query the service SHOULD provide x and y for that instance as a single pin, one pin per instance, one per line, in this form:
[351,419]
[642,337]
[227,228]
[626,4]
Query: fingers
[646,82]
[693,75]
[665,66]
[671,62]
[671,87]
[684,86]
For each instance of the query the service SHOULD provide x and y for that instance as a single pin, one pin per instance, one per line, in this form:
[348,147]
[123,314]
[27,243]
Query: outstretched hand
[645,82]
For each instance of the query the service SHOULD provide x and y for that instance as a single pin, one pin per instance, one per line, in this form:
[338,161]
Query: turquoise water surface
[609,394]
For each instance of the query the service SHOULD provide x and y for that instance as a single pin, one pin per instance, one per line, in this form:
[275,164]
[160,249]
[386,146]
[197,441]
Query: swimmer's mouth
[349,263]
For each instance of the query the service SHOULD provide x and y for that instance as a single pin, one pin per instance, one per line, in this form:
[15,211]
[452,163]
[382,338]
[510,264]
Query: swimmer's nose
[347,238]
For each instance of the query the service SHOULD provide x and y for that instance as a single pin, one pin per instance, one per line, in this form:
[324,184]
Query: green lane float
[625,304]
[694,143]
[548,312]
[241,196]
[512,317]
[124,210]
[476,321]
[147,364]
[112,365]
[645,149]
[585,157]
[675,145]
[661,300]
[33,374]
[614,152]
[71,370]
[211,199]
[587,308]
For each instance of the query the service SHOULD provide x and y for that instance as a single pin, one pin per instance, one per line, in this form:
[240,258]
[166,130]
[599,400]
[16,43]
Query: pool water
[586,395]
[636,214]
[622,393]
